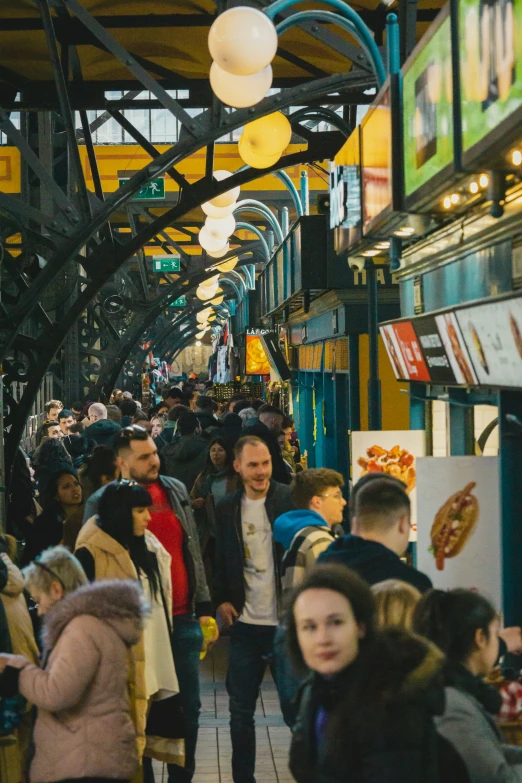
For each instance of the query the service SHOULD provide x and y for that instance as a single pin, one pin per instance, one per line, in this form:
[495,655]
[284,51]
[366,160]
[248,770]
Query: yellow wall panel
[395,404]
[10,170]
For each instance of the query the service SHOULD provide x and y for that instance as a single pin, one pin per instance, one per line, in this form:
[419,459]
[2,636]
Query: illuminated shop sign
[345,193]
[428,108]
[376,129]
[490,38]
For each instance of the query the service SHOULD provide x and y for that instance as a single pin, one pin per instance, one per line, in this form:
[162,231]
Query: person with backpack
[303,534]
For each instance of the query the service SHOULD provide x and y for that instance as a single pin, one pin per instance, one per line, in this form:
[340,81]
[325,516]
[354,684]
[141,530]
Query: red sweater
[167,528]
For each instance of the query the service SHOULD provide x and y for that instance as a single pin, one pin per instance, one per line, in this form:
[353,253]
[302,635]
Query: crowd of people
[136,538]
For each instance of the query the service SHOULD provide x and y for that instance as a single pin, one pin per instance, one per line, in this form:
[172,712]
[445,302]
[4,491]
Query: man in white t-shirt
[248,590]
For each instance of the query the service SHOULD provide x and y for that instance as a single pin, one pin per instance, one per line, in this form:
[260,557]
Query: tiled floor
[214,751]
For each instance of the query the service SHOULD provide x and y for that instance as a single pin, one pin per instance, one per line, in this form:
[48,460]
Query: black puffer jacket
[229,579]
[400,745]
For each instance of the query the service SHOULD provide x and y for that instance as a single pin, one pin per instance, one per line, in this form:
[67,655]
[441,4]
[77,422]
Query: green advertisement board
[490,38]
[428,109]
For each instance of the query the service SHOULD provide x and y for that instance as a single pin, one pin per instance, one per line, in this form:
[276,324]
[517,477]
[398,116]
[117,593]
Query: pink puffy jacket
[84,727]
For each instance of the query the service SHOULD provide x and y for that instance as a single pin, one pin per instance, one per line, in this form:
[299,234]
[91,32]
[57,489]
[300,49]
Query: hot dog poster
[393,453]
[458,543]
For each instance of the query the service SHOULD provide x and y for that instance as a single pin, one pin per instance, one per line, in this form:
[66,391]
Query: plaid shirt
[302,554]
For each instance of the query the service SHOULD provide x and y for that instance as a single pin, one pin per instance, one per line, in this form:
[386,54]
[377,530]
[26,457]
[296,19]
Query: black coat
[279,469]
[402,746]
[5,639]
[185,459]
[373,562]
[229,579]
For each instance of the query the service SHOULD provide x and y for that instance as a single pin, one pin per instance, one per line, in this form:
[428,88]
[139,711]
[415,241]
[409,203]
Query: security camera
[356,262]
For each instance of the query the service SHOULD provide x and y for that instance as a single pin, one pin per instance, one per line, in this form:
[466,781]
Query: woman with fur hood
[366,713]
[84,726]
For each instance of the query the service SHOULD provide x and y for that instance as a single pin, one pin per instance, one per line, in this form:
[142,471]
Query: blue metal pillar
[417,407]
[341,394]
[306,417]
[461,425]
[320,446]
[331,425]
[510,453]
[353,399]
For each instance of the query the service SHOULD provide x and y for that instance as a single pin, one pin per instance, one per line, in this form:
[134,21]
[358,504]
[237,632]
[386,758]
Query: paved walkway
[214,751]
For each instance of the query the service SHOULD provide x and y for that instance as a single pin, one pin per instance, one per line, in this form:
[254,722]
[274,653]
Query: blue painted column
[353,399]
[341,397]
[330,459]
[306,416]
[319,420]
[417,407]
[461,425]
[510,454]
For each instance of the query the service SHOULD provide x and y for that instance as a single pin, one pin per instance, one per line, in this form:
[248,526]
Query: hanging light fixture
[217,300]
[240,91]
[217,212]
[228,265]
[210,282]
[219,253]
[268,135]
[209,242]
[253,158]
[228,198]
[242,40]
[201,334]
[205,293]
[221,228]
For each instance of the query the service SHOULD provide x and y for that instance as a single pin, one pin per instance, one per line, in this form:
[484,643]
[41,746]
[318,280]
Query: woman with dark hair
[116,544]
[465,626]
[62,514]
[217,480]
[98,470]
[48,458]
[366,712]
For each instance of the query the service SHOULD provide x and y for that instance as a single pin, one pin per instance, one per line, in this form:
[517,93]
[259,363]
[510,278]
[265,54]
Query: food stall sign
[428,108]
[456,349]
[404,351]
[376,144]
[345,193]
[493,336]
[490,40]
[434,350]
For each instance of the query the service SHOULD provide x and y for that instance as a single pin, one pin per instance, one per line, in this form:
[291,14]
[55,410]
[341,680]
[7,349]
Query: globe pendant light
[228,265]
[242,40]
[205,293]
[253,159]
[240,91]
[210,282]
[268,135]
[211,317]
[219,253]
[221,228]
[217,300]
[208,241]
[228,198]
[201,334]
[217,212]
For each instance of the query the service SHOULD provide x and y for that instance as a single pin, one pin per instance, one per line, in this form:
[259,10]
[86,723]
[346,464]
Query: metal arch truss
[72,239]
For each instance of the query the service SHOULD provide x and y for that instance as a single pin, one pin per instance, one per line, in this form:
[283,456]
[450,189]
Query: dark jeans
[288,683]
[187,641]
[251,649]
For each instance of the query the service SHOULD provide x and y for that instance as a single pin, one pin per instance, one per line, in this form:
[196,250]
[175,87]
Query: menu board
[490,35]
[493,335]
[428,109]
[456,350]
[404,351]
[345,193]
[434,350]
[256,359]
[376,159]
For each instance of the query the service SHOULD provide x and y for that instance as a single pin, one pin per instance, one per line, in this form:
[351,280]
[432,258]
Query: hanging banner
[392,453]
[459,543]
[256,359]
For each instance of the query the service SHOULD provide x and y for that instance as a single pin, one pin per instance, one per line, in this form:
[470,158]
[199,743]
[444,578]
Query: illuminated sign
[376,130]
[256,359]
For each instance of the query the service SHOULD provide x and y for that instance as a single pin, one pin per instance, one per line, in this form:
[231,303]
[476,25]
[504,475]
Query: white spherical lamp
[268,135]
[221,228]
[240,91]
[205,293]
[219,253]
[230,196]
[217,300]
[253,158]
[242,40]
[217,212]
[208,241]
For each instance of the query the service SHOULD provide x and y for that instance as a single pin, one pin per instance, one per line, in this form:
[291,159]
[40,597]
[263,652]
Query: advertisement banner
[428,109]
[411,352]
[394,352]
[256,359]
[393,453]
[376,160]
[433,350]
[490,36]
[456,350]
[459,540]
[493,335]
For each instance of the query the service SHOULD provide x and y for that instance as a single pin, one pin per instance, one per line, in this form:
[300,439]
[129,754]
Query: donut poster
[392,453]
[459,539]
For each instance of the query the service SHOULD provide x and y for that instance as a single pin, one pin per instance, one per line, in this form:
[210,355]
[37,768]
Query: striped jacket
[301,556]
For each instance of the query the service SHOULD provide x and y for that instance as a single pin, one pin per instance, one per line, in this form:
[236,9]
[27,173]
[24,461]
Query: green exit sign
[166,263]
[155,189]
[181,301]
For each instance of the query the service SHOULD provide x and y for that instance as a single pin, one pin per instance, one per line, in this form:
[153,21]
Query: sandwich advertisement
[458,541]
[392,453]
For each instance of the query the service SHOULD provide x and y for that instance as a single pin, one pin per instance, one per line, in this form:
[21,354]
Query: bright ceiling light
[217,212]
[455,198]
[228,265]
[483,181]
[221,228]
[370,253]
[253,158]
[447,202]
[516,157]
[198,343]
[473,187]
[219,253]
[240,91]
[228,198]
[268,135]
[242,40]
[208,241]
